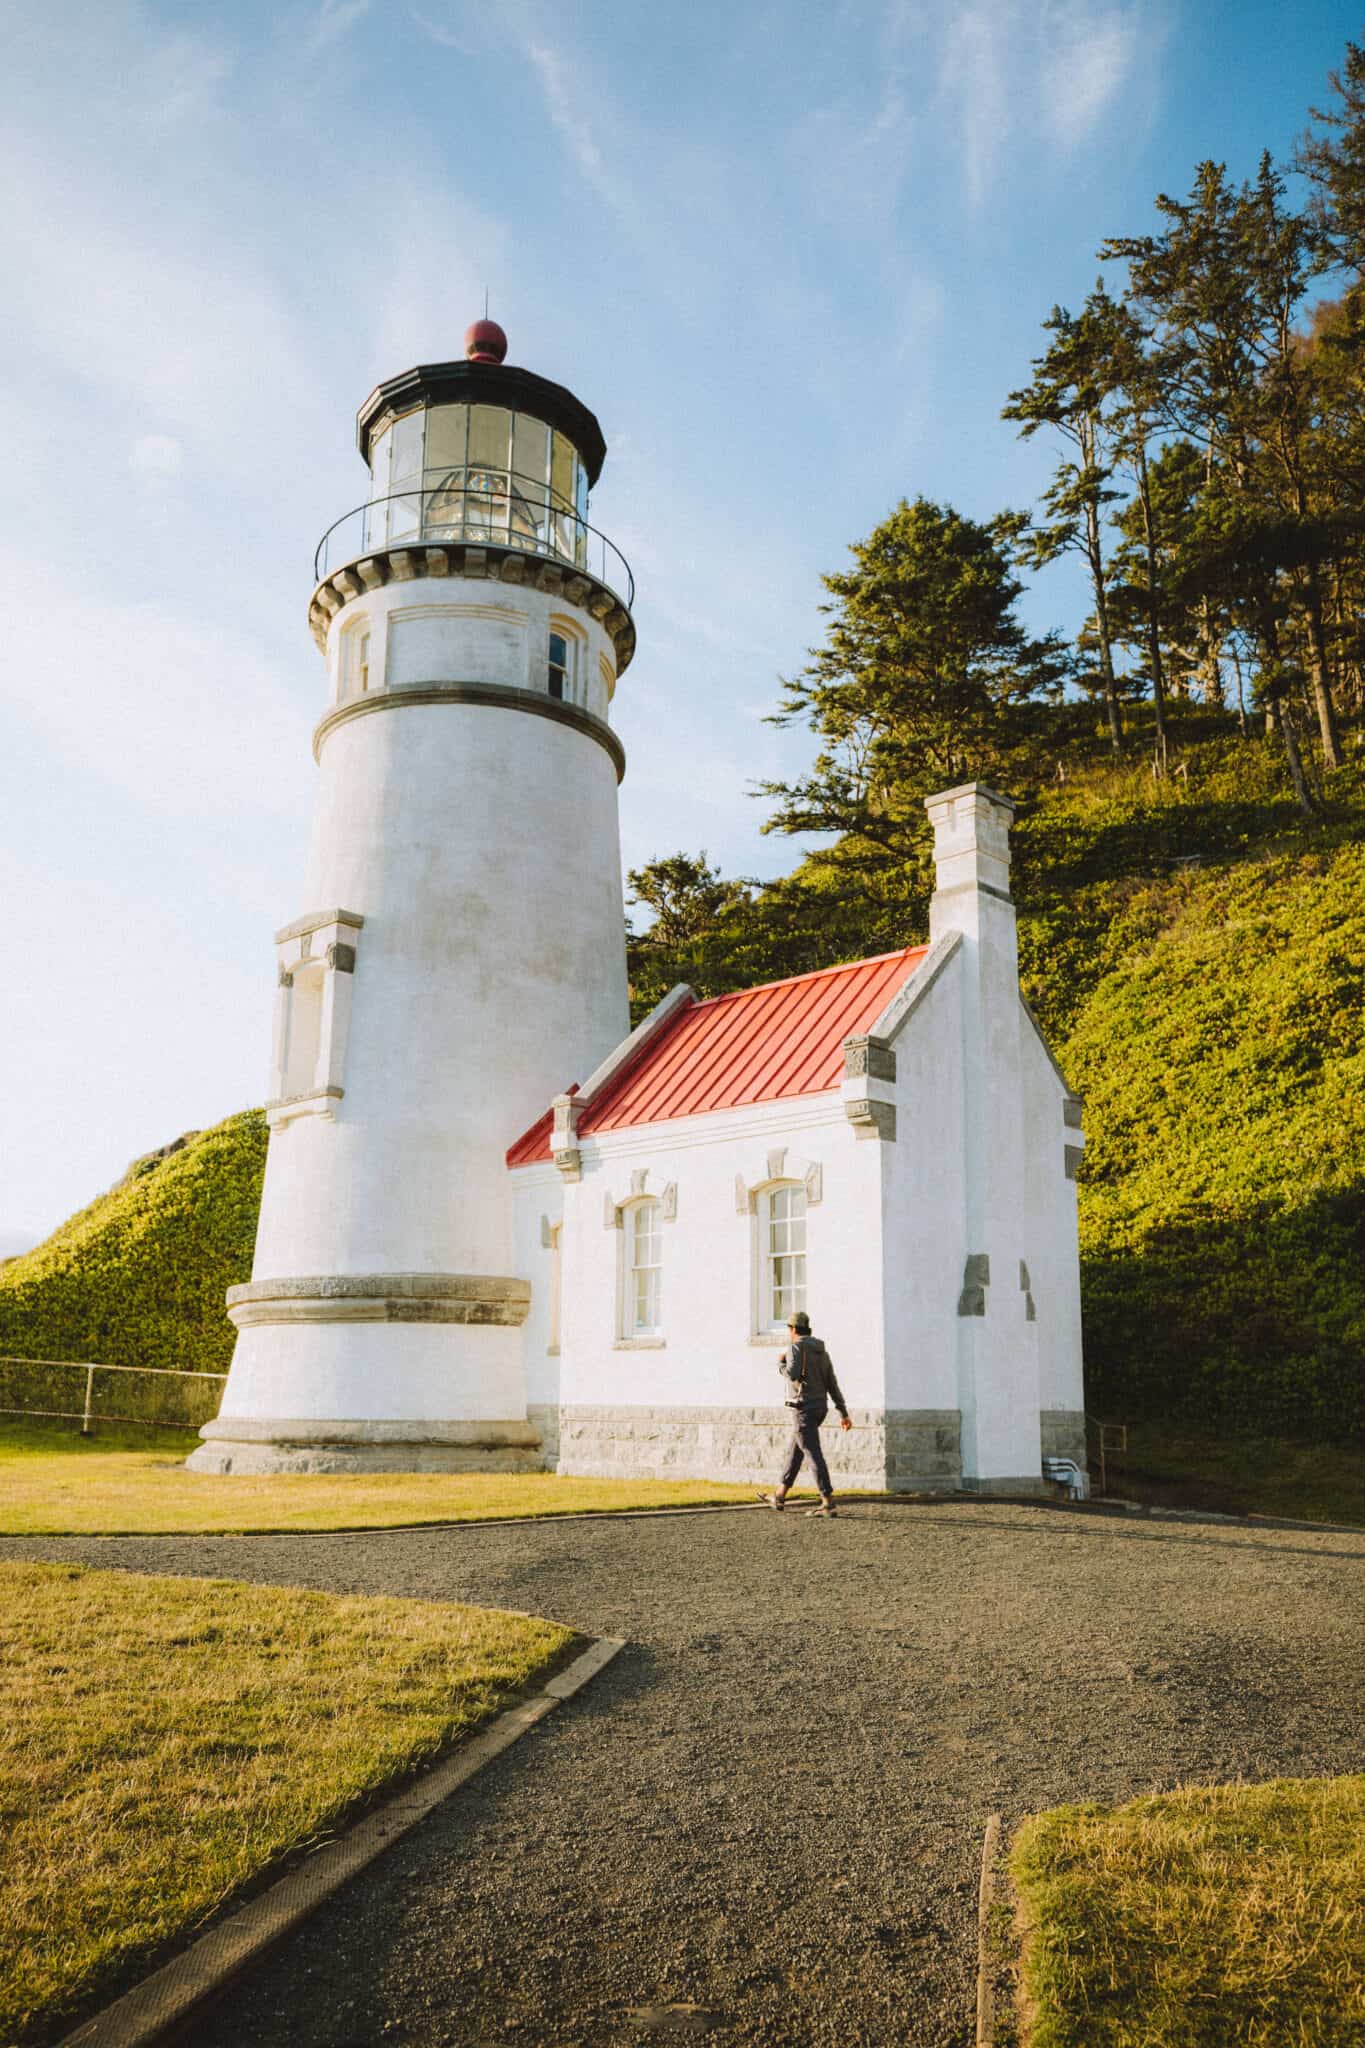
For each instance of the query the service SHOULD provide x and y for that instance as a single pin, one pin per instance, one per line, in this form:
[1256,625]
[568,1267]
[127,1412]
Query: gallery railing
[483,507]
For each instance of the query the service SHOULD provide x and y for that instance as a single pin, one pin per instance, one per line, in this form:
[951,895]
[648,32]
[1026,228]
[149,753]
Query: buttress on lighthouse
[500,1229]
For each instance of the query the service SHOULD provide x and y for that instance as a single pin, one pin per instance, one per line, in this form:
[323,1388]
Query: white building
[887,1144]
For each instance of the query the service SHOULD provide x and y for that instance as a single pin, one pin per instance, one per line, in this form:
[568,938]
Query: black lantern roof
[467,383]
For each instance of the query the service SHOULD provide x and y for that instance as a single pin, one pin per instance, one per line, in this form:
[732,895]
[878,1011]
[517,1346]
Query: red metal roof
[758,1045]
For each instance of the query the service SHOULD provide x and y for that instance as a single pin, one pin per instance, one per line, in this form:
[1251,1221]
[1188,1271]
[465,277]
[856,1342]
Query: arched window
[560,672]
[641,1295]
[781,1213]
[567,661]
[355,658]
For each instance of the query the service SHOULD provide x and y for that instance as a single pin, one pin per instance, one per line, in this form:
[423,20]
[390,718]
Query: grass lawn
[1174,1464]
[163,1740]
[124,1482]
[1196,1919]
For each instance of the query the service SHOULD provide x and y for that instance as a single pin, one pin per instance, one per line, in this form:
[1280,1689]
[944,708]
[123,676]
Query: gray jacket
[809,1374]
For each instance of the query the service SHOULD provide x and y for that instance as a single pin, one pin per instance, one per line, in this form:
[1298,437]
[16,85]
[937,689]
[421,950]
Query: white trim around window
[779,1244]
[640,1282]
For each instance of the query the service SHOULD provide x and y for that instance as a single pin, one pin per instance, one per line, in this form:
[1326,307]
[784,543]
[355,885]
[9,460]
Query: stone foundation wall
[544,1418]
[901,1450]
[1063,1432]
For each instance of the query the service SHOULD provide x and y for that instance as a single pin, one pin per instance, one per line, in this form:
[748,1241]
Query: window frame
[769,1319]
[629,1329]
[559,671]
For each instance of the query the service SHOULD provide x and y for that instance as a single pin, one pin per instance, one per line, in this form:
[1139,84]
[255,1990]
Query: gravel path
[763,1822]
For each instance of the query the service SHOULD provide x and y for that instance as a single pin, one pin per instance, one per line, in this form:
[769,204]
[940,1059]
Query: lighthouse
[459,943]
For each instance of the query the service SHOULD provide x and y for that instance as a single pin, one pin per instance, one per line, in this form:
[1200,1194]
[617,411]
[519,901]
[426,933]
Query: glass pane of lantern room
[405,475]
[447,431]
[406,441]
[563,464]
[530,456]
[377,517]
[490,448]
[447,435]
[490,436]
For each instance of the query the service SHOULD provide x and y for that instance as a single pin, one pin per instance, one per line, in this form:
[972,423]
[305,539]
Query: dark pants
[805,1443]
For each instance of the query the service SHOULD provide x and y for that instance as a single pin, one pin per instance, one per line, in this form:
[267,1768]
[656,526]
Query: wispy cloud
[1012,72]
[973,72]
[1087,53]
[333,20]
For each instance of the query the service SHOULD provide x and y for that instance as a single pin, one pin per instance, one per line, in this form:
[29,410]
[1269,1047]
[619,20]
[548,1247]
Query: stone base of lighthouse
[378,1372]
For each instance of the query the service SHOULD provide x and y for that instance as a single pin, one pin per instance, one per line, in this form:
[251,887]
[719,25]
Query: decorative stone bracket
[1026,1289]
[613,1211]
[976,1278]
[869,1087]
[564,1137]
[309,1049]
[779,1167]
[505,564]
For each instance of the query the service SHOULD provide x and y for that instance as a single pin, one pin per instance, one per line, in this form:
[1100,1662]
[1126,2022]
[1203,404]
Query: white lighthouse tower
[460,943]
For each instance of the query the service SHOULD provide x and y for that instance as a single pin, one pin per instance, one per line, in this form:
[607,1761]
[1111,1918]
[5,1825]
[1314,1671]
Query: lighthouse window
[644,1262]
[782,1236]
[559,666]
[355,658]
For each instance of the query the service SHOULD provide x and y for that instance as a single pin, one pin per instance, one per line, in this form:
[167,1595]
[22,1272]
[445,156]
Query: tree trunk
[1213,671]
[1280,708]
[1096,558]
[1153,610]
[1295,759]
[1320,675]
[1241,691]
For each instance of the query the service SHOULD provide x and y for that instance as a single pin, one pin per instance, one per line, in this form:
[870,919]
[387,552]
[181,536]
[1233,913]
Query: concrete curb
[985,1961]
[163,2000]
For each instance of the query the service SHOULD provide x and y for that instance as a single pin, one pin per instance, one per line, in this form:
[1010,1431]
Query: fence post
[86,1429]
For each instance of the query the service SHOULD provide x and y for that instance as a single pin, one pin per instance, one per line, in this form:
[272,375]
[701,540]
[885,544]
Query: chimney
[997,1353]
[971,857]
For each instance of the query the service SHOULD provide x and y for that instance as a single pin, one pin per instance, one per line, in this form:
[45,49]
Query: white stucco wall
[710,1354]
[453,629]
[924,1197]
[1054,1265]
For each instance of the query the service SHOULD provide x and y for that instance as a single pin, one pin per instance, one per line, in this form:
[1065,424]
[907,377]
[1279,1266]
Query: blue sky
[793,258]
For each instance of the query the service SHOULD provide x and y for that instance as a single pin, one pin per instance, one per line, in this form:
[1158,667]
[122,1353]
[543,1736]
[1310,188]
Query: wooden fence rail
[86,1415]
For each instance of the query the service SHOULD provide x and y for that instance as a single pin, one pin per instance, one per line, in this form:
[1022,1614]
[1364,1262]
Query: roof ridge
[812,974]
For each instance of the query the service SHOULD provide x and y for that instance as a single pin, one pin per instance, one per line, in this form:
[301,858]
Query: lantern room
[478,452]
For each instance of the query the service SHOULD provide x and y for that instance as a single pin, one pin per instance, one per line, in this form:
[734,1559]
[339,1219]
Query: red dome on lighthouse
[485,342]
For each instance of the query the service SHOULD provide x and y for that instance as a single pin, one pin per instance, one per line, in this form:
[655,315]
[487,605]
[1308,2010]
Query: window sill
[640,1344]
[316,1102]
[769,1339]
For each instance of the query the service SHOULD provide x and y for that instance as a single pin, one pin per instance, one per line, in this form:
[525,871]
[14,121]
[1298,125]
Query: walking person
[809,1372]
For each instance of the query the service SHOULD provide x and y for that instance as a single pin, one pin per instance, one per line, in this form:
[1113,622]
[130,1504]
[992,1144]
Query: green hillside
[1196,951]
[138,1277]
[1198,955]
